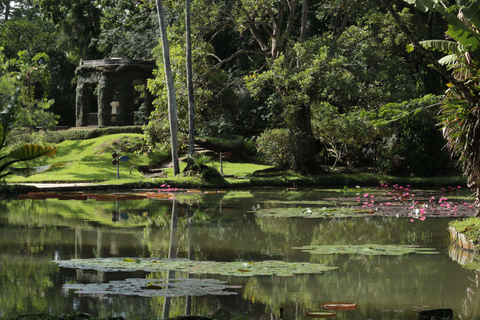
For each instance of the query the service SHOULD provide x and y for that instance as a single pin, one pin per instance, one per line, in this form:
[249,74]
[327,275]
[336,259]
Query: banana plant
[23,153]
[463,27]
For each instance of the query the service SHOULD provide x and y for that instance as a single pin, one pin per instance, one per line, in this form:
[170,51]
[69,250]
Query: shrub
[275,147]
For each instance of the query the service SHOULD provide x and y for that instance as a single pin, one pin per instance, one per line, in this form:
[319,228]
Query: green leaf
[31,151]
[445,46]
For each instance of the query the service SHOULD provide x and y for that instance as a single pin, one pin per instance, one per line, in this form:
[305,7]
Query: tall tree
[272,24]
[172,103]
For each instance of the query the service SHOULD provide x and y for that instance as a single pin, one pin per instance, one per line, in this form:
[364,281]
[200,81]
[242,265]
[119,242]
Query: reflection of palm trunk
[78,243]
[191,253]
[172,254]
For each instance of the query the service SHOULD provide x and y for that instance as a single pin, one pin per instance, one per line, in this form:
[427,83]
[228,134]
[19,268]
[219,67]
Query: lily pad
[156,287]
[240,269]
[368,249]
[342,212]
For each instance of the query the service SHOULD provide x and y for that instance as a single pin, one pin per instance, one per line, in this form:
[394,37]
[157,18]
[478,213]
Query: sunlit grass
[82,164]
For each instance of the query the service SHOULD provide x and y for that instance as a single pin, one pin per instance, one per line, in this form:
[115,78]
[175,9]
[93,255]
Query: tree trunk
[304,142]
[191,100]
[7,10]
[172,102]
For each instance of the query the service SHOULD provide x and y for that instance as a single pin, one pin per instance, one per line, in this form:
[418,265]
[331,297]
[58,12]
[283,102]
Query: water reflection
[223,227]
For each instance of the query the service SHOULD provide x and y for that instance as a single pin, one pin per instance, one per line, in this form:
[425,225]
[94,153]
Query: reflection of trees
[26,271]
[89,213]
[27,283]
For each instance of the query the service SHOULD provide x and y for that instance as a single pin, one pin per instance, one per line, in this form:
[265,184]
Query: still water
[224,227]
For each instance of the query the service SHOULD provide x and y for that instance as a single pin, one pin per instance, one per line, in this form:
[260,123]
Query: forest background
[307,83]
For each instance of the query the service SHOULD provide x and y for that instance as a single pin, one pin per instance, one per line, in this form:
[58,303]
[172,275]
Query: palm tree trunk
[172,101]
[191,100]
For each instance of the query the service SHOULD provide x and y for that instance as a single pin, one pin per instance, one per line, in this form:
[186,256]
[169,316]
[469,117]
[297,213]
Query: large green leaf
[448,60]
[31,151]
[445,46]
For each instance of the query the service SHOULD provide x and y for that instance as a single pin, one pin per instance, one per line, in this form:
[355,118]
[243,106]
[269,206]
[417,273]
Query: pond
[39,233]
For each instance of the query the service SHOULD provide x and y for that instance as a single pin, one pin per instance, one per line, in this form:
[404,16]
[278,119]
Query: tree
[460,116]
[172,103]
[127,29]
[278,19]
[78,22]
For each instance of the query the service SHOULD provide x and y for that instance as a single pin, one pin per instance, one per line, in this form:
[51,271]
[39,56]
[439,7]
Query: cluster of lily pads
[238,268]
[156,287]
[368,249]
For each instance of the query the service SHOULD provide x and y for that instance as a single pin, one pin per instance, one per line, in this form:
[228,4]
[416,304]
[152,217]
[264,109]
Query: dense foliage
[325,72]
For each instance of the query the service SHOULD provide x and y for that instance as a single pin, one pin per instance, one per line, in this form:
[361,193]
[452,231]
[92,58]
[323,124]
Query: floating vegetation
[156,287]
[240,269]
[313,212]
[368,249]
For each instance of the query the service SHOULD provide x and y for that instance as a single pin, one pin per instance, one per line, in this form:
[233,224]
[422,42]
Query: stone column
[81,103]
[104,99]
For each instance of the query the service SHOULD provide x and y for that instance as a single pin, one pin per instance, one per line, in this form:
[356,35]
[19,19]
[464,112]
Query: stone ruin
[112,92]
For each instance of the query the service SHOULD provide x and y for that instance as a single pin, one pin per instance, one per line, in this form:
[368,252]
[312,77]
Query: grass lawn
[86,161]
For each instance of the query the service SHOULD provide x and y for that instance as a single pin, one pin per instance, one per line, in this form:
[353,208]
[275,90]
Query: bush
[275,147]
